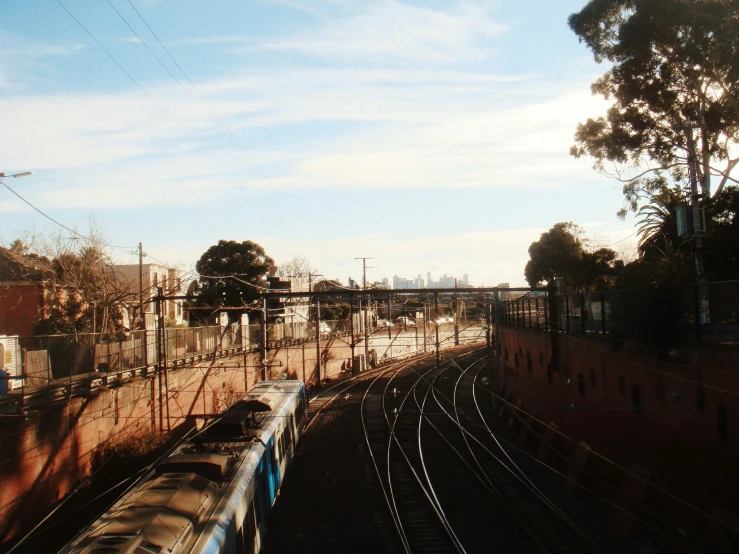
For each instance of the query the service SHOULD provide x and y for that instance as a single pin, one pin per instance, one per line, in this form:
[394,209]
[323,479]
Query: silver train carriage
[214,492]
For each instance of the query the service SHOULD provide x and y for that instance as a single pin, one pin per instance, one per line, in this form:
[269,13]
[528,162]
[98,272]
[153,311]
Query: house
[26,292]
[143,281]
[293,313]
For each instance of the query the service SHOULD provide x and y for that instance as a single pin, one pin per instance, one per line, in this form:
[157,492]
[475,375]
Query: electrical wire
[233,276]
[161,63]
[47,216]
[220,125]
[618,241]
[134,81]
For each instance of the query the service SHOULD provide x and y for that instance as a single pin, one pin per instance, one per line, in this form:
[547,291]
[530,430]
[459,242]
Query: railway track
[448,484]
[423,458]
[463,404]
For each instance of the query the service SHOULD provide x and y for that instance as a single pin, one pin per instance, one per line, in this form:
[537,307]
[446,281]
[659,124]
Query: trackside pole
[436,325]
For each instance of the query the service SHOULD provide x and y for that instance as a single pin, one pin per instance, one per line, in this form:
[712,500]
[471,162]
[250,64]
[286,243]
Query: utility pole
[318,326]
[425,320]
[351,328]
[159,358]
[366,305]
[436,325]
[142,316]
[488,323]
[263,345]
[497,336]
[162,361]
[698,231]
[318,341]
[389,318]
[456,316]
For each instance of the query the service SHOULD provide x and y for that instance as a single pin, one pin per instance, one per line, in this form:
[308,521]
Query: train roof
[257,412]
[159,517]
[162,513]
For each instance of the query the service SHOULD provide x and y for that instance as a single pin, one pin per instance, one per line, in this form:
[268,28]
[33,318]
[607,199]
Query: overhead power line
[618,241]
[141,17]
[134,81]
[158,59]
[218,122]
[47,216]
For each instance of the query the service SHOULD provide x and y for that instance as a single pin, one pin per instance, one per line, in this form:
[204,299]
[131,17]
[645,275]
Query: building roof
[15,267]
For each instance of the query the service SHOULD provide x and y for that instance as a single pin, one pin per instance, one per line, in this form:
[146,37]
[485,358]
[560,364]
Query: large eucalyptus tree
[673,81]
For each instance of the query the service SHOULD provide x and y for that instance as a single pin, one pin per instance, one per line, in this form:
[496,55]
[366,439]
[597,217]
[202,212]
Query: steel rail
[481,475]
[427,490]
[355,380]
[533,487]
[522,478]
[393,513]
[608,486]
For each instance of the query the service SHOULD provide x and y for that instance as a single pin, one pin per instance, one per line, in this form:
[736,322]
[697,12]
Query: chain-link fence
[69,357]
[76,359]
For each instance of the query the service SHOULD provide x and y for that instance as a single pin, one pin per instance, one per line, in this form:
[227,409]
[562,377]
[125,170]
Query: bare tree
[87,295]
[297,267]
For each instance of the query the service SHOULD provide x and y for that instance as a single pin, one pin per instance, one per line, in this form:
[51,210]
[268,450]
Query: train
[213,493]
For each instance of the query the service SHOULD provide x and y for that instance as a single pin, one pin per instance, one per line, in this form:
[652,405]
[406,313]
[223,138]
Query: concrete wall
[636,406]
[43,456]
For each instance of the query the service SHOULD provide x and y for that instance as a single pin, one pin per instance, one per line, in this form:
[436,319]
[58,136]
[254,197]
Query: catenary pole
[366,308]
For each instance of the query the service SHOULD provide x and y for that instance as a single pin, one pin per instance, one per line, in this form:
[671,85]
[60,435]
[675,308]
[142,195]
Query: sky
[432,136]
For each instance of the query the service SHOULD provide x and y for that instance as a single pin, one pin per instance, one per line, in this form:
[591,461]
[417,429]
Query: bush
[129,447]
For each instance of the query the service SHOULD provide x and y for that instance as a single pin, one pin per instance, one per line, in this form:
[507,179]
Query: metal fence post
[697,301]
[603,312]
[520,315]
[582,313]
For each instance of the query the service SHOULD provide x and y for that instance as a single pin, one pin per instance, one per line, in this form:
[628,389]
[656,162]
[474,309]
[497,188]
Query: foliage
[657,221]
[560,252]
[674,84]
[666,258]
[170,322]
[129,448]
[331,308]
[326,285]
[721,247]
[232,273]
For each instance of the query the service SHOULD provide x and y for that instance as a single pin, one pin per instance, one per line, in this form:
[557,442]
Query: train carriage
[214,492]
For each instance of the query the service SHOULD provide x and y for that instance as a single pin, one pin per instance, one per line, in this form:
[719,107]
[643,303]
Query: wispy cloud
[411,129]
[390,32]
[24,49]
[19,59]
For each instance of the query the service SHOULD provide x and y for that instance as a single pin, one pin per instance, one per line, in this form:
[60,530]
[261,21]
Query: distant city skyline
[445,281]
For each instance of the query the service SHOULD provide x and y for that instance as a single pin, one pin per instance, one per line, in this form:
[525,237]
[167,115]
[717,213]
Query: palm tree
[657,224]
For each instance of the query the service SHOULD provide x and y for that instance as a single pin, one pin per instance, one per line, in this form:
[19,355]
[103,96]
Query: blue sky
[432,136]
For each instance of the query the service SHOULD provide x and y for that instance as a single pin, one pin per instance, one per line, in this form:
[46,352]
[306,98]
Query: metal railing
[661,315]
[59,367]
